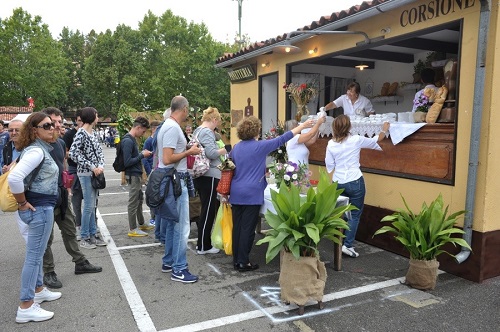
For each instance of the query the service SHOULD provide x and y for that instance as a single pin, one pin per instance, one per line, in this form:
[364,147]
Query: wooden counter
[427,155]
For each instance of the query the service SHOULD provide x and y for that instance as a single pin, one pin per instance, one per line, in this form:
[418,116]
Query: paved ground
[132,294]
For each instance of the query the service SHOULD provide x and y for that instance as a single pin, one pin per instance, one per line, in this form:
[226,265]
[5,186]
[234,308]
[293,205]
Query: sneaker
[33,314]
[349,252]
[50,280]
[46,296]
[183,276]
[166,268]
[152,222]
[146,226]
[98,241]
[86,244]
[78,234]
[136,232]
[86,267]
[210,251]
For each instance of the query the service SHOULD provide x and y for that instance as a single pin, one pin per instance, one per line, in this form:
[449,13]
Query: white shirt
[344,157]
[360,105]
[297,152]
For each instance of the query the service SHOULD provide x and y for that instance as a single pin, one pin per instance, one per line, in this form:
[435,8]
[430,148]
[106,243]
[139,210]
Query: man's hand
[194,149]
[146,153]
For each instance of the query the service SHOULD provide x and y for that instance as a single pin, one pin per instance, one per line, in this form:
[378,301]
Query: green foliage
[301,222]
[31,63]
[424,234]
[125,120]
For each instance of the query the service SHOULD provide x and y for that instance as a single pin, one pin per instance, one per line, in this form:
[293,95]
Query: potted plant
[424,234]
[297,227]
[417,68]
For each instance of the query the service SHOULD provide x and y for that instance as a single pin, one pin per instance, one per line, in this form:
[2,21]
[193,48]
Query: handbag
[98,181]
[67,179]
[199,163]
[8,202]
[224,186]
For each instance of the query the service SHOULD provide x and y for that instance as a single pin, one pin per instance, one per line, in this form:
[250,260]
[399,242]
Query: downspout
[477,114]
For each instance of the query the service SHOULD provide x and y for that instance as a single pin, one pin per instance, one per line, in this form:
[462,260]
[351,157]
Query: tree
[31,63]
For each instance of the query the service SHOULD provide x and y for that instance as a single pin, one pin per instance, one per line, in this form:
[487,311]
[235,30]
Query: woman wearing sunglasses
[33,181]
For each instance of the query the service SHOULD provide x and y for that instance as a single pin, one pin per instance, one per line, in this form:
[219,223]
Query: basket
[224,186]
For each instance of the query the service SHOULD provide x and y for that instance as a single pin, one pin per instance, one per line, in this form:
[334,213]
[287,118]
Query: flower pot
[422,274]
[302,280]
[419,116]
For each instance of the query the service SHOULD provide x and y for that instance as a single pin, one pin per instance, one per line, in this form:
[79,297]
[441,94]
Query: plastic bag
[227,229]
[216,236]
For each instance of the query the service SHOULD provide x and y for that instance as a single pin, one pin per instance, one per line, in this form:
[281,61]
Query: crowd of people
[37,151]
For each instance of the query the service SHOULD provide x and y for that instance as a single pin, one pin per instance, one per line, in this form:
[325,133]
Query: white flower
[294,176]
[290,168]
[286,177]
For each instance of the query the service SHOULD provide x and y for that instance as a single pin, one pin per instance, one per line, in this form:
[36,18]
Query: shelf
[385,99]
[412,86]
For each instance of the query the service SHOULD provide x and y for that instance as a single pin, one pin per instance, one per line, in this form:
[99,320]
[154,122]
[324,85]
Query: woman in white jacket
[342,155]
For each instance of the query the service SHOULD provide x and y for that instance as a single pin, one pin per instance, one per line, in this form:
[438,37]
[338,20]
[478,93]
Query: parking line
[141,315]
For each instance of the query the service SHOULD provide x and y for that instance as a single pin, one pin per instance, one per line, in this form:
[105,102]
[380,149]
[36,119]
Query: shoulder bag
[199,163]
[97,181]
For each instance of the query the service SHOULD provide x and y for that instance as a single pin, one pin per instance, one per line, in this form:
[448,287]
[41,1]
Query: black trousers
[206,187]
[245,218]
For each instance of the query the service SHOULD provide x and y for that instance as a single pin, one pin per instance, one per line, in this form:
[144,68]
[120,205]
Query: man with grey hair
[172,152]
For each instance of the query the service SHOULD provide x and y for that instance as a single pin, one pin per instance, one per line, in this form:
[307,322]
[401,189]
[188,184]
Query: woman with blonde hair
[206,184]
[342,156]
[33,183]
[248,184]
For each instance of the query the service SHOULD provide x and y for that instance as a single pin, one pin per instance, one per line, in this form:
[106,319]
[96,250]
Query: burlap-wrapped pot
[301,280]
[422,274]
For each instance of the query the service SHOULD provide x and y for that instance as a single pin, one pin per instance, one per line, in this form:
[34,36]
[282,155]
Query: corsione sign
[433,9]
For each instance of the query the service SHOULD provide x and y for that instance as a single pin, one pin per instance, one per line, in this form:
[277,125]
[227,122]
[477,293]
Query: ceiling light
[312,51]
[361,66]
[265,64]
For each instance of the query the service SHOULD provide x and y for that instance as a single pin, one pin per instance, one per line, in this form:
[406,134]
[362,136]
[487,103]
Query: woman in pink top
[342,156]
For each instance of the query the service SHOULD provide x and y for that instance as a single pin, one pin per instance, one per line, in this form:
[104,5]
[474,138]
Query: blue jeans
[40,223]
[177,233]
[356,191]
[160,227]
[88,227]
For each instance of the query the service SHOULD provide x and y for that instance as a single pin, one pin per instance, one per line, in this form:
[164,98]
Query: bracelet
[22,203]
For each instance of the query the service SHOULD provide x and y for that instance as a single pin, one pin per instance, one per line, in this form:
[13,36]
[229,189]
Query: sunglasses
[47,126]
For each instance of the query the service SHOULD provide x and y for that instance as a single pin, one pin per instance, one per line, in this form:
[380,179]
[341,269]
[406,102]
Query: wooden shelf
[385,99]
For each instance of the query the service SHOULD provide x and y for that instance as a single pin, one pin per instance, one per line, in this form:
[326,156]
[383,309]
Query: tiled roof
[8,113]
[323,20]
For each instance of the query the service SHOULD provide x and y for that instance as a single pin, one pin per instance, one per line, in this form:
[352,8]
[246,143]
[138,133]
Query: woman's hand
[386,126]
[26,207]
[98,170]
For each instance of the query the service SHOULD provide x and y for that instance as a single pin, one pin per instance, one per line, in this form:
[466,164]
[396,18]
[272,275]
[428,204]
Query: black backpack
[119,163]
[159,184]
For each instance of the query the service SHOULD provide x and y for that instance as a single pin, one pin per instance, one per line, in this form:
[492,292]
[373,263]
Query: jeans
[356,191]
[88,226]
[40,223]
[135,199]
[160,227]
[177,233]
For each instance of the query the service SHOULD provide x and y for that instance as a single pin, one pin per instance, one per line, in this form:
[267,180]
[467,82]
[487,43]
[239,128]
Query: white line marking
[222,321]
[141,315]
[213,267]
[119,213]
[110,194]
[139,246]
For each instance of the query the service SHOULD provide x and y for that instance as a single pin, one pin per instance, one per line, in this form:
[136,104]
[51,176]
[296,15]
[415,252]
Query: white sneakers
[35,313]
[210,251]
[137,233]
[349,252]
[45,295]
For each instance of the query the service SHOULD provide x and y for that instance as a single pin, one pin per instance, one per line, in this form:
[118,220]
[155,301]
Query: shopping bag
[216,236]
[227,229]
[8,202]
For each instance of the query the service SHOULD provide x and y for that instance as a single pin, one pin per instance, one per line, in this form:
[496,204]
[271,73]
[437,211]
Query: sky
[261,19]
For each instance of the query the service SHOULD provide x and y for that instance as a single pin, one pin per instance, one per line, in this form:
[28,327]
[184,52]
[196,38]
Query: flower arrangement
[276,130]
[301,94]
[422,103]
[290,173]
